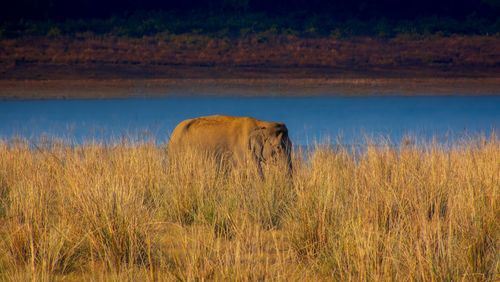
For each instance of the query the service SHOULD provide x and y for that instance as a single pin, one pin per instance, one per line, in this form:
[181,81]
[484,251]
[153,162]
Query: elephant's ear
[256,146]
[256,143]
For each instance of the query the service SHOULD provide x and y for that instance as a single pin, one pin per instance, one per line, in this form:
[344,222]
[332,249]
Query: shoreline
[91,88]
[114,67]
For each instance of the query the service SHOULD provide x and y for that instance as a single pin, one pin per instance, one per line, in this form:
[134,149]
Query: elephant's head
[271,144]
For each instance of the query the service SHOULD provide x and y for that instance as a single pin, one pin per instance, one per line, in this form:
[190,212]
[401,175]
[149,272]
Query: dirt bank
[121,88]
[38,68]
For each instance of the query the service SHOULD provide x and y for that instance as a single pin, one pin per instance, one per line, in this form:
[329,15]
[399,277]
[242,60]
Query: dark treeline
[236,18]
[360,9]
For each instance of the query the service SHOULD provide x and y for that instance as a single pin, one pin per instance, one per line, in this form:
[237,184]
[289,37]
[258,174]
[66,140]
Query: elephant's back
[216,129]
[216,121]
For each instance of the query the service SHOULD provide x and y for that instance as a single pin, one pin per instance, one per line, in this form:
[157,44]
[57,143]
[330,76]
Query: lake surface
[346,120]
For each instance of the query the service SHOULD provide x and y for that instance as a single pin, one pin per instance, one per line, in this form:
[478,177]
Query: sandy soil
[122,88]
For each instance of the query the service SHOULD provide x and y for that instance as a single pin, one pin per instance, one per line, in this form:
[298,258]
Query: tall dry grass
[125,211]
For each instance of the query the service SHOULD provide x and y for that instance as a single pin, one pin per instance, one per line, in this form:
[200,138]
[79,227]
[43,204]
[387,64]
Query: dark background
[360,9]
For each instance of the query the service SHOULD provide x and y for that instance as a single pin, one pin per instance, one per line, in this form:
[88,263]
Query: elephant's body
[239,139]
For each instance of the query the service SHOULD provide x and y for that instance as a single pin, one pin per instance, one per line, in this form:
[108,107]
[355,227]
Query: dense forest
[393,9]
[154,37]
[236,18]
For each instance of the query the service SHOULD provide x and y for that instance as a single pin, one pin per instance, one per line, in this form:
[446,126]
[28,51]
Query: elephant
[243,140]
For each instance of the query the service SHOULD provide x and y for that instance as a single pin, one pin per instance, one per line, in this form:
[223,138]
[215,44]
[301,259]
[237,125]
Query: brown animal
[240,139]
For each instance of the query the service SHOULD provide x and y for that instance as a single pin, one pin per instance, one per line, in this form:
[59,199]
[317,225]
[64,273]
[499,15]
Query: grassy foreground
[125,212]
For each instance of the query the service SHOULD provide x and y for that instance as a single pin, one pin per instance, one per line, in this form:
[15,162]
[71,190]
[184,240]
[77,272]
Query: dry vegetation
[257,51]
[125,212]
[91,66]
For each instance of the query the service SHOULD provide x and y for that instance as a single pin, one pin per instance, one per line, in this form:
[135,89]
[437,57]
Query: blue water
[309,119]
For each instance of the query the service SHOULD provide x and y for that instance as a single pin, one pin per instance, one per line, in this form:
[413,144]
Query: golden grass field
[124,211]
